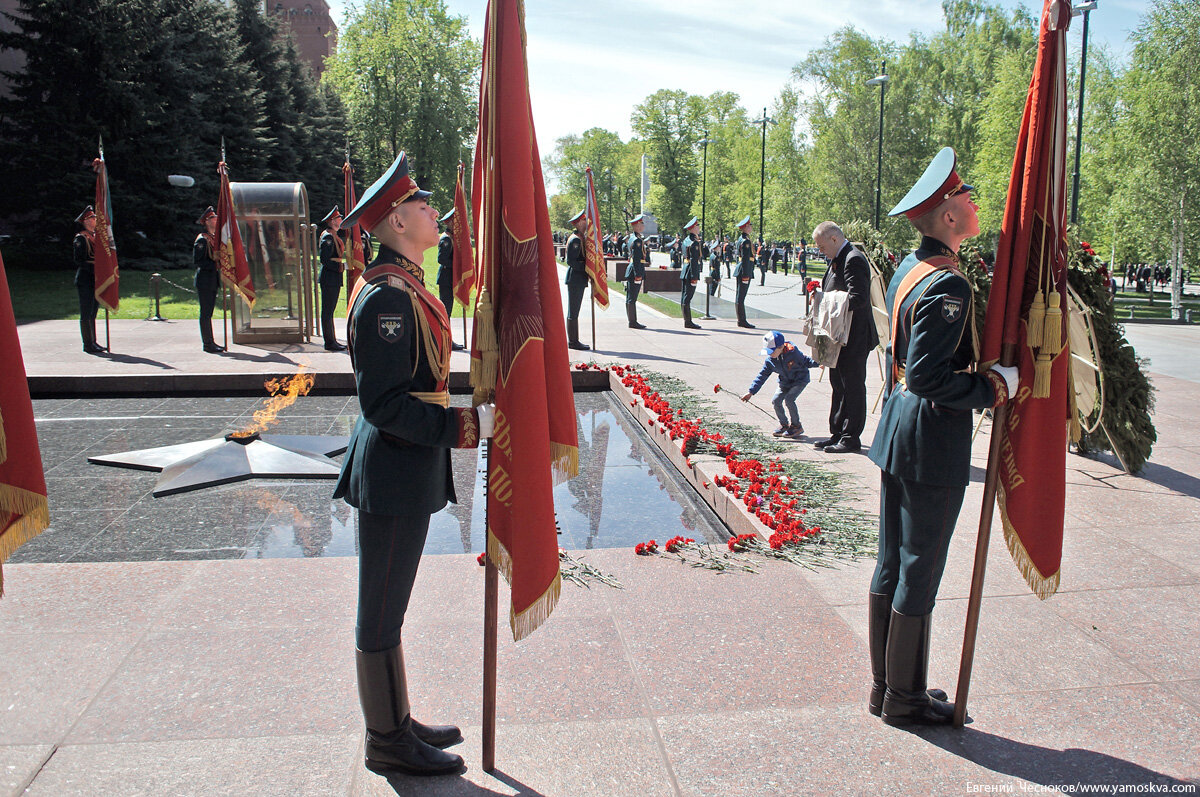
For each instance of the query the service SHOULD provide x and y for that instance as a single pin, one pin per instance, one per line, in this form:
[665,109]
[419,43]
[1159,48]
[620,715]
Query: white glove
[1009,374]
[487,420]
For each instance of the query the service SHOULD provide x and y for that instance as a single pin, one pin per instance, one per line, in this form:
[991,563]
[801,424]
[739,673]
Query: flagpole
[975,600]
[491,618]
[225,315]
[107,334]
[593,321]
[466,342]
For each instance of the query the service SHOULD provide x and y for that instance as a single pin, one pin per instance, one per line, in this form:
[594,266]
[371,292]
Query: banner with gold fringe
[356,257]
[24,511]
[1026,320]
[519,347]
[108,279]
[593,246]
[231,255]
[464,253]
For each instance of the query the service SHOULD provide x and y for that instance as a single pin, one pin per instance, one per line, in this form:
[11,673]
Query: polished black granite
[625,492]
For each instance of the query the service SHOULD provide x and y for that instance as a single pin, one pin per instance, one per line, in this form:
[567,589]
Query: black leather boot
[906,702]
[687,318]
[631,315]
[87,331]
[878,620]
[392,743]
[573,341]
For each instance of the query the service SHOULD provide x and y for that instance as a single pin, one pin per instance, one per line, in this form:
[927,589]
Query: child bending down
[792,365]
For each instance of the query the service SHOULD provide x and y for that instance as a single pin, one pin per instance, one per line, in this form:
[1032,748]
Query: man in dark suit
[577,279]
[848,271]
[331,250]
[923,443]
[689,277]
[635,272]
[744,271]
[396,470]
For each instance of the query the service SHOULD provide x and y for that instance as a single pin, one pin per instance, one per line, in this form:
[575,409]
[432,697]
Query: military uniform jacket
[83,253]
[331,250]
[850,272]
[745,250]
[445,272]
[639,257]
[695,256]
[398,459]
[576,261]
[924,432]
[204,253]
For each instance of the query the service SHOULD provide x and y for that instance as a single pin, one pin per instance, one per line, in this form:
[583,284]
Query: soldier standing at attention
[689,277]
[204,256]
[396,470]
[635,272]
[332,253]
[745,270]
[923,443]
[714,269]
[445,272]
[83,252]
[577,280]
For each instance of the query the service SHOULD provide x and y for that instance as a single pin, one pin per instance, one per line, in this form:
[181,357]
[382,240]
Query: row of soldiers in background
[1147,276]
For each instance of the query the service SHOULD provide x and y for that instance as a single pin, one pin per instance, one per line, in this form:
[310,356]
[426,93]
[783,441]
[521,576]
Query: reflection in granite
[625,492]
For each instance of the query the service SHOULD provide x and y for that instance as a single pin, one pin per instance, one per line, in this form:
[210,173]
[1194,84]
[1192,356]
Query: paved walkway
[237,677]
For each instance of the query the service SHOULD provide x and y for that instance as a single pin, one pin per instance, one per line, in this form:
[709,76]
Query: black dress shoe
[92,348]
[691,326]
[821,444]
[636,325]
[213,348]
[335,346]
[842,447]
[457,347]
[440,736]
[746,325]
[578,346]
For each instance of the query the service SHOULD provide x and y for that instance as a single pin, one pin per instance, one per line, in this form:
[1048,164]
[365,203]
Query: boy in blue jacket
[792,366]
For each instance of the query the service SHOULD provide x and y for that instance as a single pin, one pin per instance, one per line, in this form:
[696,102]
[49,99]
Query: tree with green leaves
[615,171]
[407,73]
[670,123]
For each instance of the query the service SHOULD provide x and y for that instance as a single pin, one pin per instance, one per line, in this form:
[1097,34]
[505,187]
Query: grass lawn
[1143,307]
[49,295]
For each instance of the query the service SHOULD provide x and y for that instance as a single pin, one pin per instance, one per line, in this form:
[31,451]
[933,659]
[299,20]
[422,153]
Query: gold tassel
[483,370]
[1041,375]
[1052,336]
[1037,320]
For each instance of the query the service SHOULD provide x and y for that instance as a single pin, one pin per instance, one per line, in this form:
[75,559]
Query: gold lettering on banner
[501,437]
[1012,477]
[500,485]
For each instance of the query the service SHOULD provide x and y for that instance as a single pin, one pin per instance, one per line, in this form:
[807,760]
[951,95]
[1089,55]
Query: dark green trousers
[915,524]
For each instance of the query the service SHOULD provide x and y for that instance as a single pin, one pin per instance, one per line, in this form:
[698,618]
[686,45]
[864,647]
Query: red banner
[231,255]
[356,257]
[108,279]
[1026,320]
[464,254]
[519,348]
[24,512]
[593,246]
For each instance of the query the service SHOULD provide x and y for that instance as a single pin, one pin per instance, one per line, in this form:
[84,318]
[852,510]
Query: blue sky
[590,63]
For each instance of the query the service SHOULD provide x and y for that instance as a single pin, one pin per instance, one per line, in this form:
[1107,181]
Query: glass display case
[273,219]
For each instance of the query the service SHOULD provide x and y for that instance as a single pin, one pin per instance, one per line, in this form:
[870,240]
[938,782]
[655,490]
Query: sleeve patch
[390,327]
[952,307]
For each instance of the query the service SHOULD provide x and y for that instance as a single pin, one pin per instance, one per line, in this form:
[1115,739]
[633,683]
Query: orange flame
[284,392]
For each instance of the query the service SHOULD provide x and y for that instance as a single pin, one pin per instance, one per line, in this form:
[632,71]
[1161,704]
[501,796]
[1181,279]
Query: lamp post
[879,80]
[762,181]
[1086,9]
[704,142]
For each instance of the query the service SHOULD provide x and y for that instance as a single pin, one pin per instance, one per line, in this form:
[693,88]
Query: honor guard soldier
[635,272]
[83,253]
[204,256]
[923,443]
[332,249]
[745,269]
[396,470]
[445,272]
[693,252]
[577,279]
[714,269]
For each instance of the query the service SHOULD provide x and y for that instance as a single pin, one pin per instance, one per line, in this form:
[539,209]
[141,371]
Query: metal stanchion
[156,287]
[291,315]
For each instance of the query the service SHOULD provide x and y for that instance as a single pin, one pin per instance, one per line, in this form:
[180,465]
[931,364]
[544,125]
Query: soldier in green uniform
[689,277]
[714,269]
[577,279]
[745,270]
[204,257]
[445,272]
[635,272]
[396,470]
[923,443]
[331,249]
[83,253]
